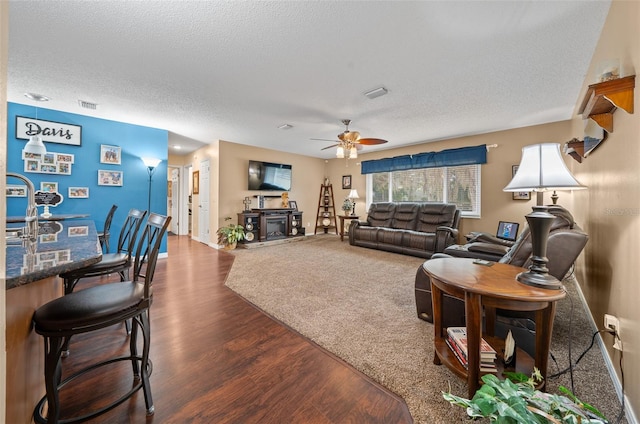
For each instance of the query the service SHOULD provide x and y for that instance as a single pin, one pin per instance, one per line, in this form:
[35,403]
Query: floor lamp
[541,169]
[151,164]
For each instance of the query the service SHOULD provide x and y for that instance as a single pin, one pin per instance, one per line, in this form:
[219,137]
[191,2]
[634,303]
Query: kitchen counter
[61,246]
[53,217]
[32,270]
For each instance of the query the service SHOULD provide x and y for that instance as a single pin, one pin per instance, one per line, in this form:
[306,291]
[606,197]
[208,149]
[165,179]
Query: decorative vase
[230,246]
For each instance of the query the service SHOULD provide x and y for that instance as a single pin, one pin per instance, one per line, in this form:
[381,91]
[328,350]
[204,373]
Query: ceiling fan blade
[329,147]
[371,141]
[323,139]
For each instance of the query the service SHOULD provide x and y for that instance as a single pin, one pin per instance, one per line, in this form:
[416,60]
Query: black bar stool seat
[89,310]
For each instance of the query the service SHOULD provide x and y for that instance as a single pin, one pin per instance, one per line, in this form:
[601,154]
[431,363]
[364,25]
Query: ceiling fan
[349,142]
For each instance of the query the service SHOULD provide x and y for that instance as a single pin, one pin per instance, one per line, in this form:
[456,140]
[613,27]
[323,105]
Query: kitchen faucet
[31,216]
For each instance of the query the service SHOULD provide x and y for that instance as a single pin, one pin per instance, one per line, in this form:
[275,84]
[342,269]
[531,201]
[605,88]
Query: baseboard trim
[617,385]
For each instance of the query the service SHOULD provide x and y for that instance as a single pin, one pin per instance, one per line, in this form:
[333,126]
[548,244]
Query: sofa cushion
[433,215]
[381,214]
[418,240]
[405,216]
[391,239]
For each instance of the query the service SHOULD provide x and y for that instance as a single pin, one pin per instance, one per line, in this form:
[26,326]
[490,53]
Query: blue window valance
[450,157]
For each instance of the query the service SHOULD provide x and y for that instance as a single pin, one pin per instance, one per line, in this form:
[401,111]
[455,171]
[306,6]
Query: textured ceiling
[235,71]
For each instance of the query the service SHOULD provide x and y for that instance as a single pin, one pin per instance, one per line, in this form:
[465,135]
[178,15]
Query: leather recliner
[564,244]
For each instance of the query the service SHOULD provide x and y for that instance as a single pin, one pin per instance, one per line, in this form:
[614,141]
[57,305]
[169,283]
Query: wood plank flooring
[218,359]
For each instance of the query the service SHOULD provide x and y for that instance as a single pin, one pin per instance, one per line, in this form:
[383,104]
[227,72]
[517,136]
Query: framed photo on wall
[346,182]
[196,182]
[48,186]
[110,154]
[110,178]
[16,190]
[519,195]
[78,193]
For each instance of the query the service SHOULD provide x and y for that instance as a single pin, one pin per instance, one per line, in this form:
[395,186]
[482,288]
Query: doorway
[173,199]
[203,200]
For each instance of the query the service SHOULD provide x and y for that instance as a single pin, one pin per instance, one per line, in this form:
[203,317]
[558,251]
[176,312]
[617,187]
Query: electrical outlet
[611,324]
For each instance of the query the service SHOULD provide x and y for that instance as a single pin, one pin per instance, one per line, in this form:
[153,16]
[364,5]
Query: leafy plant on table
[230,233]
[516,400]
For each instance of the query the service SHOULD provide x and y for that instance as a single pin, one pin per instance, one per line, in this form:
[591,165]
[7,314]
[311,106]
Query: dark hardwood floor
[218,359]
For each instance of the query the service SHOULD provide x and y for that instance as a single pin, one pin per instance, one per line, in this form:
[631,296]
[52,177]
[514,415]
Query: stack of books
[457,341]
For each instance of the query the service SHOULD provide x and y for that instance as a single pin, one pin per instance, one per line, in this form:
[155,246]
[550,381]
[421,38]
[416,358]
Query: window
[454,184]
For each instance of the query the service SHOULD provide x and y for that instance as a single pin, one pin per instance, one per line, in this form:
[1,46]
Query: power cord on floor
[571,367]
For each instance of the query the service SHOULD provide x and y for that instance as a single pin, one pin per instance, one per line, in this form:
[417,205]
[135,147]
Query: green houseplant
[516,400]
[346,205]
[230,234]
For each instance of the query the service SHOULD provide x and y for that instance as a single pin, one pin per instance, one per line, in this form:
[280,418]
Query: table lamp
[541,169]
[353,194]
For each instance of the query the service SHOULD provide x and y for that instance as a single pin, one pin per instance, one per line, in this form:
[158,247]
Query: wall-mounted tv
[267,176]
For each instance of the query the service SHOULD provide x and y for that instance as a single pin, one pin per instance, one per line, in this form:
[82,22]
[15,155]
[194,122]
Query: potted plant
[516,400]
[230,234]
[346,206]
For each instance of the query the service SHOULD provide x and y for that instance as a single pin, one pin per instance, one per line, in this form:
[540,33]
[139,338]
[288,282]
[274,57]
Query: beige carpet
[359,304]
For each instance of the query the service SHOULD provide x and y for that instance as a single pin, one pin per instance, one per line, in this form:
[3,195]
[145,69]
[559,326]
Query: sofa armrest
[487,238]
[494,249]
[445,236]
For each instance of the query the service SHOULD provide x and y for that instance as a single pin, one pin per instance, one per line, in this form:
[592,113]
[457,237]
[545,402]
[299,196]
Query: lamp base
[540,221]
[543,281]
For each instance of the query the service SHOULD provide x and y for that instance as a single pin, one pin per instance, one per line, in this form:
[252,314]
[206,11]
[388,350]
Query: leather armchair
[565,243]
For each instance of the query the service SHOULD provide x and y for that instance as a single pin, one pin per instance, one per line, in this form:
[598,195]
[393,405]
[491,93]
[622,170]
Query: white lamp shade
[35,146]
[353,153]
[353,194]
[542,168]
[151,162]
[340,152]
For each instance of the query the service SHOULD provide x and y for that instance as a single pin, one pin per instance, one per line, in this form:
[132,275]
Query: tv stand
[267,224]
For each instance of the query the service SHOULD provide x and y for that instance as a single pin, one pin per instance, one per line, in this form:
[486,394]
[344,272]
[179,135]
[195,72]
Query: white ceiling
[236,70]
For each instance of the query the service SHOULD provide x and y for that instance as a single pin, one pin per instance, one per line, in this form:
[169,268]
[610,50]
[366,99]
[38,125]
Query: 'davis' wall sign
[49,131]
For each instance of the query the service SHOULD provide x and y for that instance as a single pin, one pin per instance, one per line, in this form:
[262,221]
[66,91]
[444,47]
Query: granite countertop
[53,217]
[61,246]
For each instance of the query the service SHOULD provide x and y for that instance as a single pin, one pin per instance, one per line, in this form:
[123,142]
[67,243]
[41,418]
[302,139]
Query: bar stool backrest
[148,248]
[129,231]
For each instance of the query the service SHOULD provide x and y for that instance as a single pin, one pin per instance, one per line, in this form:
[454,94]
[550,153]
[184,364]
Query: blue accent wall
[135,142]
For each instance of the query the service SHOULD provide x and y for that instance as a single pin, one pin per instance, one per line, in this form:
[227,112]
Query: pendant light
[35,144]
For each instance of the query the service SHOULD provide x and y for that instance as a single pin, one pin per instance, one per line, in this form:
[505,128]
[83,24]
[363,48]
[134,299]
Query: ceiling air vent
[87,105]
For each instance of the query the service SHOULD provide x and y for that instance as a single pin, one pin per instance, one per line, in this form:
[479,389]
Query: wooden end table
[492,287]
[342,218]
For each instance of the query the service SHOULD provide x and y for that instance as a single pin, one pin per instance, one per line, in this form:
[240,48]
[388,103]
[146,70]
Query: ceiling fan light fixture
[353,153]
[376,92]
[340,152]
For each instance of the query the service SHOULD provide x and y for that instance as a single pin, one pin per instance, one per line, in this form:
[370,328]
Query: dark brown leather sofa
[417,229]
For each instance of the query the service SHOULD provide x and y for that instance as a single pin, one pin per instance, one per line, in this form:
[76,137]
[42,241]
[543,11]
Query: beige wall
[229,181]
[610,209]
[496,174]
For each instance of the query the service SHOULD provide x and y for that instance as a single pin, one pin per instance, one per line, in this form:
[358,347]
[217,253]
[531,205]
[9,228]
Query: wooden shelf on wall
[603,98]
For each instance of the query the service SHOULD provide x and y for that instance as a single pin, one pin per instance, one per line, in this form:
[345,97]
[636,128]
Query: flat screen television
[267,176]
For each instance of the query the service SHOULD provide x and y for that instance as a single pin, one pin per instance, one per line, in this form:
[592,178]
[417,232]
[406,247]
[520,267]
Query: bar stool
[95,308]
[105,234]
[119,262]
